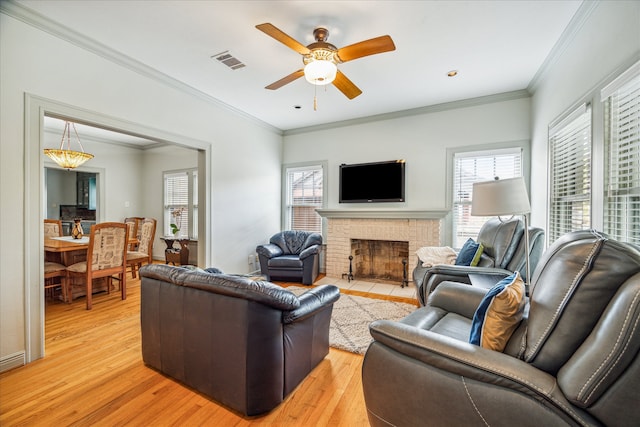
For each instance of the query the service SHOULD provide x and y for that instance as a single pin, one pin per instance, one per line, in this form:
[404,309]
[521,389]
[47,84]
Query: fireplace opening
[379,260]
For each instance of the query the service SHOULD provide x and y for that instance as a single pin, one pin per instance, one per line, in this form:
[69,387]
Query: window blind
[304,195]
[470,167]
[622,177]
[180,202]
[570,174]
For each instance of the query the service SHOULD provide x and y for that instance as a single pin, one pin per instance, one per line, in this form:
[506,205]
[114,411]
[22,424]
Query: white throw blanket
[432,255]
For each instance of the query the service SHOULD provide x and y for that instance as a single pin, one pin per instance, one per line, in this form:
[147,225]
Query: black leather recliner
[247,344]
[574,359]
[504,253]
[291,255]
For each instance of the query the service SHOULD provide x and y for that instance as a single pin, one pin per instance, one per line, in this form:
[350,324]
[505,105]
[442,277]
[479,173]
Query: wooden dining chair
[134,223]
[53,267]
[144,254]
[106,257]
[53,270]
[52,228]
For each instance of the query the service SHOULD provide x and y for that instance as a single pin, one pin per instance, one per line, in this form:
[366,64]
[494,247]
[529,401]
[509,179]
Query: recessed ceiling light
[452,73]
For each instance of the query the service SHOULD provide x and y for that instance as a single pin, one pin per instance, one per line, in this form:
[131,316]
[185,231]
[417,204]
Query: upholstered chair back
[147,234]
[109,246]
[575,281]
[52,228]
[293,242]
[536,246]
[500,239]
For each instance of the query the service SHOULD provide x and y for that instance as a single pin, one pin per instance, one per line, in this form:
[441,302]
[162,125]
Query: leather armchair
[244,343]
[504,253]
[574,359]
[291,255]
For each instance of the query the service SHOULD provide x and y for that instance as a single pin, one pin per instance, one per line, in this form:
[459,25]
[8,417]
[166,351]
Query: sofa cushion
[292,242]
[470,253]
[587,269]
[499,313]
[286,261]
[500,239]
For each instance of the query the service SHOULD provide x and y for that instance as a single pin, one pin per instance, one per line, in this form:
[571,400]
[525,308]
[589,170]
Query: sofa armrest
[464,270]
[456,383]
[457,273]
[269,250]
[311,250]
[466,360]
[311,302]
[457,298]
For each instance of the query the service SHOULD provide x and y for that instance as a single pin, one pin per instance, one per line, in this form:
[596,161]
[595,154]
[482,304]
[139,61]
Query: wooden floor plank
[93,375]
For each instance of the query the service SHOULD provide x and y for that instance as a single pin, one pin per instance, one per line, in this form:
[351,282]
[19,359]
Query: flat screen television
[372,182]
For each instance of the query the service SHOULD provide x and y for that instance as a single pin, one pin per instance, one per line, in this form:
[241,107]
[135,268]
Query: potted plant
[177,218]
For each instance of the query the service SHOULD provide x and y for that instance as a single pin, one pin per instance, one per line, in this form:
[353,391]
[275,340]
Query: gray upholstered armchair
[573,359]
[291,255]
[504,253]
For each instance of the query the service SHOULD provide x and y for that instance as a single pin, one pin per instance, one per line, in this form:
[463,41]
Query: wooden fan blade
[346,86]
[365,48]
[285,80]
[271,30]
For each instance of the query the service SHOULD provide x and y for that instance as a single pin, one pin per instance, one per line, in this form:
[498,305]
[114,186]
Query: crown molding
[100,140]
[41,22]
[453,105]
[575,25]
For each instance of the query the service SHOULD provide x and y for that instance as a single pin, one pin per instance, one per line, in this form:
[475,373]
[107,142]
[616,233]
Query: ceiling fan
[321,58]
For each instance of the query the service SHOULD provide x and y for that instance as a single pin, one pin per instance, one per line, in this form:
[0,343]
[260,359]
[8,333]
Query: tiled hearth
[417,228]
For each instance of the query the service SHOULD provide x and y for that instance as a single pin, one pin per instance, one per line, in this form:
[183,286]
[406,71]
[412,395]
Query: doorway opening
[39,110]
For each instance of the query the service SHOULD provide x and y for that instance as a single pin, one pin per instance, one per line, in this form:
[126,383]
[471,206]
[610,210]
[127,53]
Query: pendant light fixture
[65,157]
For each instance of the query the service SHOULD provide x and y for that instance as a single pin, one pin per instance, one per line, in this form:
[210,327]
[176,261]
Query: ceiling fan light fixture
[320,72]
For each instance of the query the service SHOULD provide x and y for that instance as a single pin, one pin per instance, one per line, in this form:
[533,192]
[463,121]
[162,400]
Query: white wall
[61,190]
[244,162]
[608,40]
[422,140]
[155,162]
[120,170]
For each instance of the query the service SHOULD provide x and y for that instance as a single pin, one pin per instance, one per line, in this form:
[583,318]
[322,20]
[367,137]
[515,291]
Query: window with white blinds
[622,150]
[470,167]
[570,174]
[304,194]
[181,203]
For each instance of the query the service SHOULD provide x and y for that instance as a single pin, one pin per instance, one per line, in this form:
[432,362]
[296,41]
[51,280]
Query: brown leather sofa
[574,358]
[247,344]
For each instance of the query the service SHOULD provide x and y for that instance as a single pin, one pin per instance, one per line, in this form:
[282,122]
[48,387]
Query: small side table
[177,256]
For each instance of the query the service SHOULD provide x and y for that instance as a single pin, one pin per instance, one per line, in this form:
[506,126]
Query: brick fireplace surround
[418,228]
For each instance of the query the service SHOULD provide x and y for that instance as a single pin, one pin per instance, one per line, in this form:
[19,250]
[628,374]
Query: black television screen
[372,182]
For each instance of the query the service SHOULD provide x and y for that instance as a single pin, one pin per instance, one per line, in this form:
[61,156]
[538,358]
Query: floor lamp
[504,197]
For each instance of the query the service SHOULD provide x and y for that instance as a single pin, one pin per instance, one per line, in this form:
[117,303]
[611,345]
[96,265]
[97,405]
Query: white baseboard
[12,361]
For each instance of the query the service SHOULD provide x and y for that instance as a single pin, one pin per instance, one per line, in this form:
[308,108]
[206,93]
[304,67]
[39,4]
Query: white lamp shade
[500,197]
[320,72]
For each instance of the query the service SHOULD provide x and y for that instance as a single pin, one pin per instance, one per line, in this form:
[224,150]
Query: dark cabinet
[86,190]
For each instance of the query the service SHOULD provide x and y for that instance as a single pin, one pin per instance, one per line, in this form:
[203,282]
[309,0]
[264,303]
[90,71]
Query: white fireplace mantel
[380,214]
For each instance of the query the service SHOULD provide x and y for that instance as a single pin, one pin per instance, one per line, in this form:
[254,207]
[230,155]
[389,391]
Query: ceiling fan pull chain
[315,98]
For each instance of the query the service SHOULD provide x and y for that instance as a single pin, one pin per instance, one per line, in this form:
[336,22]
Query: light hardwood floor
[93,374]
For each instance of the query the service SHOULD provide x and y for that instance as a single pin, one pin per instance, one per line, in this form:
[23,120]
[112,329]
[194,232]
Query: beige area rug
[352,315]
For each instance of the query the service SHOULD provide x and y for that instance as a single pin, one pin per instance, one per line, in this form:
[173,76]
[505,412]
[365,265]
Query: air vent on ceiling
[229,60]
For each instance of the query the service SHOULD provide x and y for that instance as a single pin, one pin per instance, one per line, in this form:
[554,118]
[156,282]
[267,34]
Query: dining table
[71,250]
